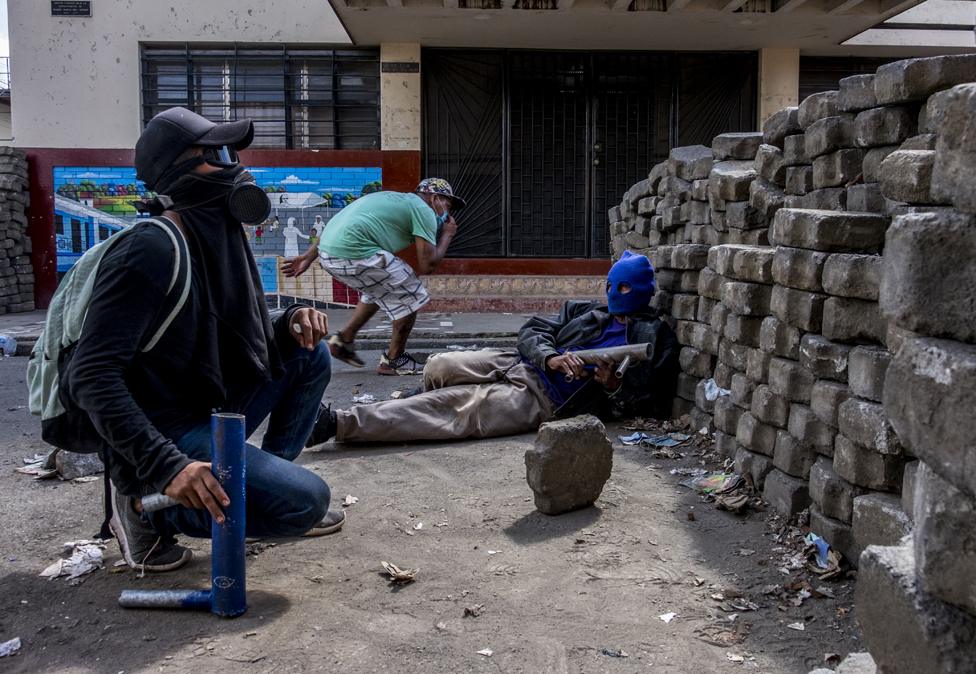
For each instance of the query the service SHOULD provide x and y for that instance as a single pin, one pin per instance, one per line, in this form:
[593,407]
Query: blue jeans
[282,499]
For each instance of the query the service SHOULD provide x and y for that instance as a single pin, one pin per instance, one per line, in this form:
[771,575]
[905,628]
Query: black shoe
[331,523]
[142,547]
[324,428]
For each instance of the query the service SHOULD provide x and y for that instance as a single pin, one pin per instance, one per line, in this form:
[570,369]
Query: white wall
[77,80]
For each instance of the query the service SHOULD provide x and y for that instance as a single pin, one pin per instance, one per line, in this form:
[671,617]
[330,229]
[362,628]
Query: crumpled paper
[82,557]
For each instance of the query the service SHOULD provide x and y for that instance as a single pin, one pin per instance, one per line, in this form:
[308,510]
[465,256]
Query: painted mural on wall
[92,203]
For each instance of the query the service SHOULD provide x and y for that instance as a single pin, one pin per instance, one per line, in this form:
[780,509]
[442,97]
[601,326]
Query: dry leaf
[399,576]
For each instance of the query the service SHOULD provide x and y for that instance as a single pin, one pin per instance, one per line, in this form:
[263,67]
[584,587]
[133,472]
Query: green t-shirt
[379,221]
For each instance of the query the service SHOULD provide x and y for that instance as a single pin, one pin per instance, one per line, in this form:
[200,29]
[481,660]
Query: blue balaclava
[636,271]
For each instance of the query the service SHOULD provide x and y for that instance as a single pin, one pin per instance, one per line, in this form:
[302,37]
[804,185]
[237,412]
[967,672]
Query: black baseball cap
[171,132]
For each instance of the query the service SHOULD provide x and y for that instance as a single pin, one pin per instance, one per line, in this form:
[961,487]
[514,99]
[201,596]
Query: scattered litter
[441,626]
[732,657]
[799,627]
[462,347]
[399,576]
[418,526]
[746,552]
[493,552]
[349,500]
[487,652]
[668,617]
[822,559]
[441,524]
[822,549]
[660,441]
[396,395]
[81,558]
[41,466]
[801,597]
[713,391]
[363,399]
[735,502]
[85,478]
[614,653]
[716,482]
[8,346]
[823,591]
[447,324]
[473,611]
[10,647]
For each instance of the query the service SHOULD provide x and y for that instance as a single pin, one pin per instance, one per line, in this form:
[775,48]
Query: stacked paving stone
[916,599]
[803,331]
[679,269]
[16,272]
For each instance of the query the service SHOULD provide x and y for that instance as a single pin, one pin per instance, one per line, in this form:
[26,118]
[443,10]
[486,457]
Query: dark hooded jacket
[220,346]
[648,388]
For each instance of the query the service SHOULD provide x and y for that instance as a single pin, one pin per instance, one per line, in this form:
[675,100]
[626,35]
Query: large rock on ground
[907,630]
[72,465]
[569,464]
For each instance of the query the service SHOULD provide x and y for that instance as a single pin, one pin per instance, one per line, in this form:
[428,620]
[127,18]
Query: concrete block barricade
[890,125]
[16,270]
[827,279]
[878,519]
[945,540]
[831,493]
[940,304]
[907,630]
[829,231]
[856,93]
[829,135]
[781,124]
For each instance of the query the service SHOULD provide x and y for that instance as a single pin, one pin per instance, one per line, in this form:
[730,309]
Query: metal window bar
[298,98]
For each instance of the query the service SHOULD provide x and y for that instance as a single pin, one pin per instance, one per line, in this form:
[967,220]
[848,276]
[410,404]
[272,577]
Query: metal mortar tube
[228,550]
[227,596]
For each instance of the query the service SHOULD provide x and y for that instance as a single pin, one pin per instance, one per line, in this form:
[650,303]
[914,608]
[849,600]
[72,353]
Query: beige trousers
[468,394]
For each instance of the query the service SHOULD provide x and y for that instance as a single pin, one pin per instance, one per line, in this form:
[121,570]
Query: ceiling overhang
[695,25]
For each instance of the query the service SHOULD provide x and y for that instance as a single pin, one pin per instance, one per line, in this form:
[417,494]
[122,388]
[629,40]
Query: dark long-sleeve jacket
[647,388]
[132,397]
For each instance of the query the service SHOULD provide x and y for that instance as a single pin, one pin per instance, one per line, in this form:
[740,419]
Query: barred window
[298,98]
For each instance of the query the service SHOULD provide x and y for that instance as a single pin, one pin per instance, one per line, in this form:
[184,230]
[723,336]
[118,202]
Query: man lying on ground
[221,351]
[491,393]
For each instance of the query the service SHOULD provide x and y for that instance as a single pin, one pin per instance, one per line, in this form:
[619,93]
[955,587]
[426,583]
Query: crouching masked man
[490,393]
[221,351]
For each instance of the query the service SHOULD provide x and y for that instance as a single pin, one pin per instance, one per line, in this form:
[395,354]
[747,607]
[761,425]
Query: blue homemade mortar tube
[227,594]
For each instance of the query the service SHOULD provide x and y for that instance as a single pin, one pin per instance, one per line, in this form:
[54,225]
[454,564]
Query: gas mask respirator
[243,200]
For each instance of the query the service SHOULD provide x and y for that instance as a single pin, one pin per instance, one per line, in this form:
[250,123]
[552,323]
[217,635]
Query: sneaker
[343,351]
[324,428]
[331,523]
[403,364]
[143,549]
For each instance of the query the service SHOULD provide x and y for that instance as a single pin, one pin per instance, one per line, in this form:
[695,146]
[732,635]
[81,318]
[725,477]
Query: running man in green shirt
[358,247]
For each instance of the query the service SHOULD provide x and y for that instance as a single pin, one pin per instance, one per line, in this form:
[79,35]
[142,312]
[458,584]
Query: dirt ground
[567,594]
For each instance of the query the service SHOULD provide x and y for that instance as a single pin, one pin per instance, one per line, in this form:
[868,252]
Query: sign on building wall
[71,8]
[91,203]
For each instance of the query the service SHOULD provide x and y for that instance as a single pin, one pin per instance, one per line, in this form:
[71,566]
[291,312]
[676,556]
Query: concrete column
[779,80]
[400,95]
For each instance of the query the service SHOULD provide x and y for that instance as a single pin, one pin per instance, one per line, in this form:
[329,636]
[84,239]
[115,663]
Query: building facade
[540,112]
